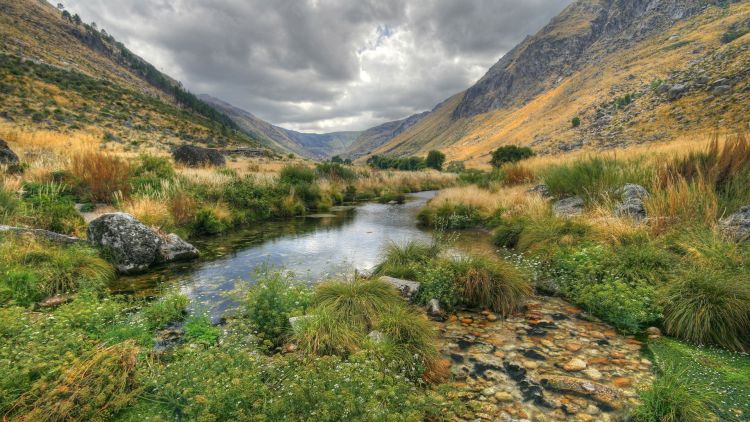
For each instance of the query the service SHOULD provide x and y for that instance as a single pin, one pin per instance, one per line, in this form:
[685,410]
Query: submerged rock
[7,156]
[194,156]
[407,288]
[607,396]
[133,247]
[737,226]
[569,207]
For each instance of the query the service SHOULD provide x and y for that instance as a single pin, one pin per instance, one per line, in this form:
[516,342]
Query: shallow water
[315,248]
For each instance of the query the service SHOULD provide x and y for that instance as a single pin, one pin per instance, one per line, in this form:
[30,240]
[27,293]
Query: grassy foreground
[674,270]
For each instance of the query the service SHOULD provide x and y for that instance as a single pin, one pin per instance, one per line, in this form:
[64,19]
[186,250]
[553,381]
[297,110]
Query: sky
[322,65]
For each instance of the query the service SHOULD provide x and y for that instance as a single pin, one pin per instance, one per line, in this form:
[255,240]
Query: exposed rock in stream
[549,364]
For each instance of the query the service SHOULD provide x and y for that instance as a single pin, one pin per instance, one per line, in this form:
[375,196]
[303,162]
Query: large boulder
[194,156]
[569,207]
[632,202]
[7,156]
[676,92]
[173,248]
[737,225]
[132,247]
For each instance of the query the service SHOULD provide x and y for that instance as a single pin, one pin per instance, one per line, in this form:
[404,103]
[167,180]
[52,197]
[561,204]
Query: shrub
[33,271]
[594,177]
[170,308]
[200,330]
[494,284]
[628,306]
[50,206]
[438,281]
[323,332]
[435,160]
[415,338]
[576,122]
[103,175]
[709,306]
[405,261]
[296,175]
[270,303]
[510,154]
[210,221]
[92,388]
[150,173]
[671,399]
[335,171]
[359,302]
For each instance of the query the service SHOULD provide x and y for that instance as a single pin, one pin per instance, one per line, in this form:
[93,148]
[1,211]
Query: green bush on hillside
[510,154]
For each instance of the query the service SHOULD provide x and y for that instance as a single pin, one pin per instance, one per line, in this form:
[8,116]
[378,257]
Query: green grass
[359,302]
[594,178]
[671,399]
[712,372]
[169,308]
[495,284]
[404,261]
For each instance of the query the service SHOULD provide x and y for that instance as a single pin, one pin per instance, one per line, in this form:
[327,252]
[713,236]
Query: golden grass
[151,212]
[513,200]
[105,175]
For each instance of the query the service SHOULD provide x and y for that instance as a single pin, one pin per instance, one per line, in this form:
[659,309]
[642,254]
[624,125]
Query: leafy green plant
[170,308]
[198,328]
[270,303]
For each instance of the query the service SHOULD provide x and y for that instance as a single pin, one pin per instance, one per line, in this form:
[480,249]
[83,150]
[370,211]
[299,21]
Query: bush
[359,302]
[270,303]
[406,260]
[199,329]
[150,173]
[335,171]
[510,154]
[709,306]
[323,332]
[102,174]
[494,284]
[93,388]
[594,178]
[33,271]
[671,399]
[50,206]
[414,337]
[576,122]
[209,221]
[168,309]
[438,281]
[435,160]
[296,175]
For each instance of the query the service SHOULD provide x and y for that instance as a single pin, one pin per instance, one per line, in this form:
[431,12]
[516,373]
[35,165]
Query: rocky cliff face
[584,32]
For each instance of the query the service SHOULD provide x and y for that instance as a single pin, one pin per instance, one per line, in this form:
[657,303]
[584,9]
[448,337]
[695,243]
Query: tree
[336,159]
[576,121]
[66,16]
[435,160]
[510,154]
[60,6]
[77,19]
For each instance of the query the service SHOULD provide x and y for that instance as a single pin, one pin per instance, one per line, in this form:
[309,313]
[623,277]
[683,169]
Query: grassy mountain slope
[379,135]
[60,74]
[645,78]
[311,145]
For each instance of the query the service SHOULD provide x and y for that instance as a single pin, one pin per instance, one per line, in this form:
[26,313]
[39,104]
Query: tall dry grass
[105,175]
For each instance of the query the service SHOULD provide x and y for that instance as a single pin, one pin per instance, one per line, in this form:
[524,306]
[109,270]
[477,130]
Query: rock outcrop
[194,156]
[7,156]
[42,234]
[737,225]
[132,247]
[632,202]
[407,288]
[569,207]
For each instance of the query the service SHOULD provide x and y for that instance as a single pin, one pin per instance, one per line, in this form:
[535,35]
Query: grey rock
[173,248]
[569,207]
[7,156]
[194,156]
[737,226]
[540,189]
[407,288]
[721,90]
[42,234]
[676,92]
[433,308]
[632,204]
[376,336]
[129,245]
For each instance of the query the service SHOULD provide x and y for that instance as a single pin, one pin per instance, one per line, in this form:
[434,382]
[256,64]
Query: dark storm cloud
[323,64]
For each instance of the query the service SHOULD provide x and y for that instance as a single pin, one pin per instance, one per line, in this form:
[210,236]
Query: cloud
[322,65]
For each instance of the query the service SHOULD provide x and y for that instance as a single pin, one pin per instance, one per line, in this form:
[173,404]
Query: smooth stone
[575,365]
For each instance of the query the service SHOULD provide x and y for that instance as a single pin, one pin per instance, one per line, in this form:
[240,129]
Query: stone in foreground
[42,234]
[132,247]
[569,207]
[407,288]
[632,204]
[737,226]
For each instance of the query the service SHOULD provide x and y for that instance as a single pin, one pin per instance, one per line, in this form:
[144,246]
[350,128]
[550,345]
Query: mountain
[58,73]
[372,138]
[632,71]
[311,145]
